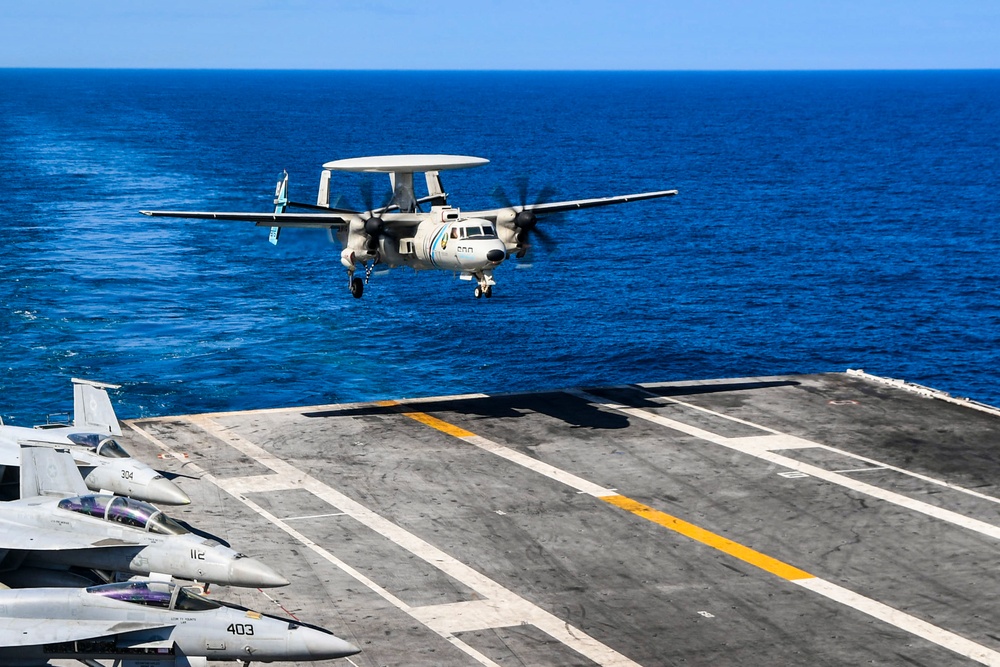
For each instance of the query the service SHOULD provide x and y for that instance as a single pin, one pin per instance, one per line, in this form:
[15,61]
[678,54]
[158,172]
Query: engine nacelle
[506,231]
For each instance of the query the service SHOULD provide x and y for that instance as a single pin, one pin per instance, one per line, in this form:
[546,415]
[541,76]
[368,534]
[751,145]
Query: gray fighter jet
[149,623]
[104,464]
[72,528]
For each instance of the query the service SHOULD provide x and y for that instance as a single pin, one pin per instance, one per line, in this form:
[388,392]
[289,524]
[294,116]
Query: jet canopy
[125,511]
[101,444]
[161,594]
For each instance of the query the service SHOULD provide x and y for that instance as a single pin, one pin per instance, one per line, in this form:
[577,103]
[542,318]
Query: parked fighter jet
[150,623]
[104,464]
[105,533]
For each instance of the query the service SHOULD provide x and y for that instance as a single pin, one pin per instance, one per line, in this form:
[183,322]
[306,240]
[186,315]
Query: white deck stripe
[904,621]
[508,605]
[858,457]
[757,446]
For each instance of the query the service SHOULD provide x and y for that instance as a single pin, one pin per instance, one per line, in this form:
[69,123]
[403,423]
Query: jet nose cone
[496,255]
[325,646]
[254,574]
[164,492]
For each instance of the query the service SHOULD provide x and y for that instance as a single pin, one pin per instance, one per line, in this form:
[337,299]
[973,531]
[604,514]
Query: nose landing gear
[486,283]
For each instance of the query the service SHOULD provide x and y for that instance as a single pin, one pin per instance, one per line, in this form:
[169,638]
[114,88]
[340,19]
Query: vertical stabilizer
[323,198]
[50,471]
[280,202]
[92,407]
[435,191]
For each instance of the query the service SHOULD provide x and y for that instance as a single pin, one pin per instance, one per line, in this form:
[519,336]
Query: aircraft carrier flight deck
[832,519]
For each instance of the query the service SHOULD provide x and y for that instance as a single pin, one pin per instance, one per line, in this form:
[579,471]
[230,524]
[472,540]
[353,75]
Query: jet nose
[254,574]
[322,645]
[496,255]
[164,492]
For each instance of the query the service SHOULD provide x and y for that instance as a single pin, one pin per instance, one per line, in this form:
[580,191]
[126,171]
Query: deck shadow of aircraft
[565,407]
[638,396]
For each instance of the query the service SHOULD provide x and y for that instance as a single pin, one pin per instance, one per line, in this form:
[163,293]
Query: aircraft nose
[254,574]
[324,646]
[164,492]
[496,255]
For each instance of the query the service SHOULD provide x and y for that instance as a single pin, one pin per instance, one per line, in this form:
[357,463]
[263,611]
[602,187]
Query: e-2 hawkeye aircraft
[399,233]
[150,624]
[104,464]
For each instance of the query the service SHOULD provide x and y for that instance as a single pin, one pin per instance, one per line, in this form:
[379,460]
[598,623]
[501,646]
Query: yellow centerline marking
[689,530]
[708,538]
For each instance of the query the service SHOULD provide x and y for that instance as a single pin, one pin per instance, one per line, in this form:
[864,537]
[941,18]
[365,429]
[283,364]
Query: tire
[478,292]
[357,288]
[489,291]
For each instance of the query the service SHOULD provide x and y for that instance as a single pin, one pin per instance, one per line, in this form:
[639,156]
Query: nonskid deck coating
[821,519]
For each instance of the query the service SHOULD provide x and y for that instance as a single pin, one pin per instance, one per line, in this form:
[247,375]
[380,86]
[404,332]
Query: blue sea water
[825,220]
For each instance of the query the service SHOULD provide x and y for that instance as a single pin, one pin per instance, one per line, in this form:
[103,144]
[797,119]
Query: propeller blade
[501,197]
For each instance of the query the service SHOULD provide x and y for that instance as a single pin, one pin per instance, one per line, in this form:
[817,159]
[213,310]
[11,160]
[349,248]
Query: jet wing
[34,631]
[46,471]
[305,220]
[561,206]
[22,537]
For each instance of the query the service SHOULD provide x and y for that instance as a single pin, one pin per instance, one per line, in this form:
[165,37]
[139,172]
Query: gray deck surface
[844,522]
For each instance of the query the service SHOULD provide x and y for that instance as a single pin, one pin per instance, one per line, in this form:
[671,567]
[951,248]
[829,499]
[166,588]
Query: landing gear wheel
[357,287]
[489,291]
[478,292]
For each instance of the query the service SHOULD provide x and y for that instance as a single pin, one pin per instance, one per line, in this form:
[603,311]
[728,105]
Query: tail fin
[49,471]
[92,408]
[280,202]
[323,196]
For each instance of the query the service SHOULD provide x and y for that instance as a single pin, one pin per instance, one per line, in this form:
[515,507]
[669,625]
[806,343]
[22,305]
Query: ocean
[825,221]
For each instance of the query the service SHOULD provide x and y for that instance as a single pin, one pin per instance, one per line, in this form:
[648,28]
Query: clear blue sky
[502,34]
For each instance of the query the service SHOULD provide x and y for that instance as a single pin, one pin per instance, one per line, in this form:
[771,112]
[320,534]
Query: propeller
[525,221]
[374,225]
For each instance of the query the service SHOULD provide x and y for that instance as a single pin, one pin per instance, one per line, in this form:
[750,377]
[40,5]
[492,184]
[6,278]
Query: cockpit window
[147,593]
[130,512]
[91,440]
[154,594]
[484,231]
[94,505]
[102,444]
[124,511]
[163,524]
[112,450]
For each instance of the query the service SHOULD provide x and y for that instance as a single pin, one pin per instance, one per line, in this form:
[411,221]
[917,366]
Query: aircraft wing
[34,631]
[561,206]
[47,471]
[305,220]
[21,537]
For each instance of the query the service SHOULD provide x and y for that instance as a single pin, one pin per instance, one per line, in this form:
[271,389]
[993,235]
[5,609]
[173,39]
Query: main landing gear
[357,287]
[487,291]
[356,284]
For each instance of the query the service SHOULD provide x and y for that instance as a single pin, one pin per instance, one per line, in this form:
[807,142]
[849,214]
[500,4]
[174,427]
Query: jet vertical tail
[50,471]
[92,408]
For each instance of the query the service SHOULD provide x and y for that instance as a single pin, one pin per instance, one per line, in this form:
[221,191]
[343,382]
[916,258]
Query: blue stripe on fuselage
[434,245]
